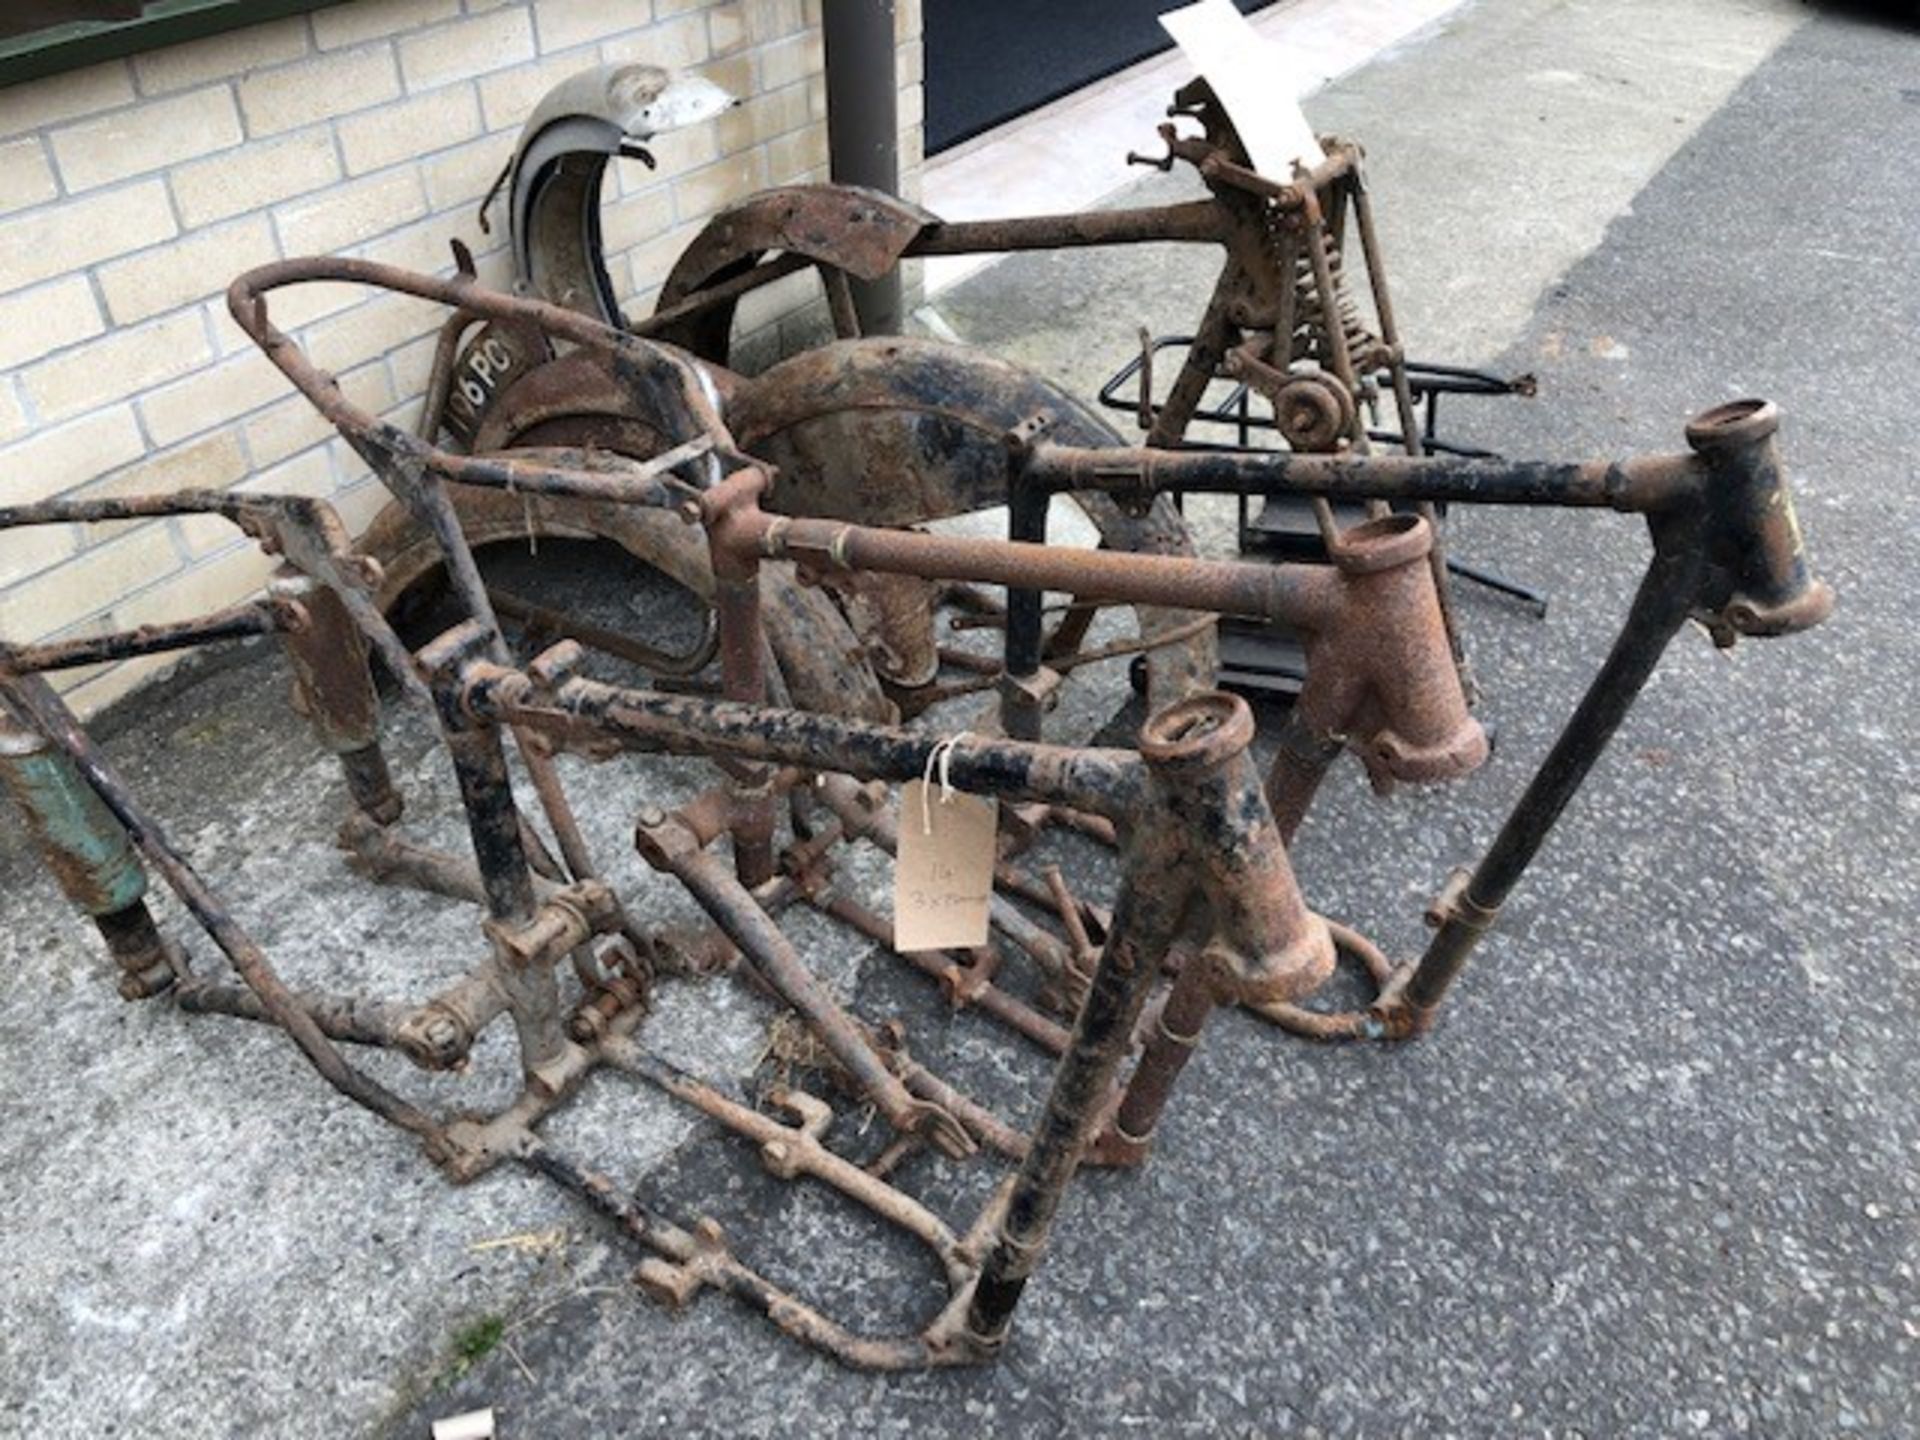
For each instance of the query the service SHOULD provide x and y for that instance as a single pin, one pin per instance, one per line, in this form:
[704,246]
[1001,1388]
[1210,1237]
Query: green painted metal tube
[84,846]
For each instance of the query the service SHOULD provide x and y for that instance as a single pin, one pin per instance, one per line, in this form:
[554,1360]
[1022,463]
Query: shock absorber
[89,854]
[1311,339]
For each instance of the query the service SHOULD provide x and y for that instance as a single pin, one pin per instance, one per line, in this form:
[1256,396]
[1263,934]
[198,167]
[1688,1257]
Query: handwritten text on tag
[943,877]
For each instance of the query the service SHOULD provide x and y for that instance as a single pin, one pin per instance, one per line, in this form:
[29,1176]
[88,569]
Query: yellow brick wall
[131,192]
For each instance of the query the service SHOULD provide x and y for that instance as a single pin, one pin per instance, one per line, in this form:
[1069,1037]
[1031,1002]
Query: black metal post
[1021,705]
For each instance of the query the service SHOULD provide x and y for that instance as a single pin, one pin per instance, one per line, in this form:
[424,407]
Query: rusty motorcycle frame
[1208,892]
[1283,322]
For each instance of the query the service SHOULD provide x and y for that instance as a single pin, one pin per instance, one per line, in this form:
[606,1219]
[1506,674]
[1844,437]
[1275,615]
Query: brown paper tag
[943,876]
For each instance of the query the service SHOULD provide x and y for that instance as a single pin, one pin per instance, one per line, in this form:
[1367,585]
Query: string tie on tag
[941,754]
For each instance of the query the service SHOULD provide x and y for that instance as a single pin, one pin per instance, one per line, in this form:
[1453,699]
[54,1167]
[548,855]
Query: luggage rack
[1261,661]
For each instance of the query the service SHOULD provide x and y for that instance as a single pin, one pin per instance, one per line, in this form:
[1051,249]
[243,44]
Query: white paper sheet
[1254,80]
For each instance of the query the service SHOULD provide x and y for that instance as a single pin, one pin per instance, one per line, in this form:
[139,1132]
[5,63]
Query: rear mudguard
[863,232]
[813,647]
[896,431]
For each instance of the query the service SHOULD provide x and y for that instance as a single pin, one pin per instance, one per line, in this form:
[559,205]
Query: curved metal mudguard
[863,232]
[554,178]
[899,431]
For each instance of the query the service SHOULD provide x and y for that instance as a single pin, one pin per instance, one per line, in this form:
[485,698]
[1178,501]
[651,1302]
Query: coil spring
[1311,340]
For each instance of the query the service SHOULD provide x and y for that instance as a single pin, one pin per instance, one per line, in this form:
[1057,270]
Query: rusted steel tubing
[347,1018]
[236,622]
[1153,900]
[613,642]
[1055,959]
[1305,753]
[702,1259]
[1291,592]
[89,854]
[1379,658]
[34,699]
[987,671]
[1213,163]
[1662,606]
[1381,671]
[1297,1019]
[722,292]
[85,847]
[506,878]
[414,469]
[1172,1038]
[1106,782]
[983,665]
[1067,906]
[425,498]
[1020,884]
[1638,483]
[743,664]
[148,963]
[307,532]
[1196,221]
[1740,562]
[1403,403]
[994,1132]
[793,1150]
[1094,827]
[1265,943]
[333,688]
[662,380]
[559,812]
[1762,584]
[439,1034]
[246,296]
[1022,708]
[579,475]
[840,303]
[1015,1014]
[62,510]
[493,823]
[1202,363]
[446,347]
[1211,830]
[669,845]
[387,857]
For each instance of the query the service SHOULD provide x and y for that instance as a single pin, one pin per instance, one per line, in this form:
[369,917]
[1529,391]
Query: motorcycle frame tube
[1666,599]
[333,687]
[235,622]
[1020,709]
[404,462]
[1116,784]
[1194,757]
[1639,483]
[674,845]
[743,667]
[593,714]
